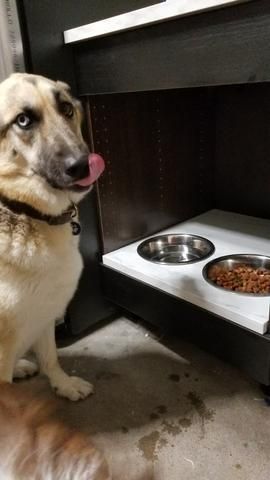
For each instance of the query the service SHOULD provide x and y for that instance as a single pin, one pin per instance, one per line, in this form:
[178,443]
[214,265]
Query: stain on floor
[148,445]
[199,405]
[205,414]
[174,377]
[185,422]
[154,416]
[162,409]
[171,428]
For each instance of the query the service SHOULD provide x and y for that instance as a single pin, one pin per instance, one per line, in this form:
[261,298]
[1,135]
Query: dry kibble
[242,278]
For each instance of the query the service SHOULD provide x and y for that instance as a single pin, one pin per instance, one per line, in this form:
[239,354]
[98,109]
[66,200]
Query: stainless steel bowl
[175,249]
[230,261]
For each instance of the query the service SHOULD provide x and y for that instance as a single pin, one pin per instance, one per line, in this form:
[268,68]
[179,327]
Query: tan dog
[45,168]
[34,446]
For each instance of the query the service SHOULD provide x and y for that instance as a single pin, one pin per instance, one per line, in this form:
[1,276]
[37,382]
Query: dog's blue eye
[23,120]
[67,109]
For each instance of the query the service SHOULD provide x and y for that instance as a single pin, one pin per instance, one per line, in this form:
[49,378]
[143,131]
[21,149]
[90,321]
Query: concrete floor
[166,412]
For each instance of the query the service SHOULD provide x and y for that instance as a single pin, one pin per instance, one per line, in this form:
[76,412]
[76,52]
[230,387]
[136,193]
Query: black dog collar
[21,208]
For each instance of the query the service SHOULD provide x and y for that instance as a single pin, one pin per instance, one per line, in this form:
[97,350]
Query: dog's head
[43,157]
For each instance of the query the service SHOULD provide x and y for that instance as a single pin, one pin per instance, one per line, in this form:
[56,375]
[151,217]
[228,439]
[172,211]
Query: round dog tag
[76,228]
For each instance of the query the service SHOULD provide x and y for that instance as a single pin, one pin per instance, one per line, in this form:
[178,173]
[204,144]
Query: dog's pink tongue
[96,167]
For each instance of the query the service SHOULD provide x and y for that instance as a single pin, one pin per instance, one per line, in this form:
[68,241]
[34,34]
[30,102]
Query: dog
[35,446]
[45,170]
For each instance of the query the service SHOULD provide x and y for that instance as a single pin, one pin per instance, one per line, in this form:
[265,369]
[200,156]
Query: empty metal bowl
[228,262]
[175,249]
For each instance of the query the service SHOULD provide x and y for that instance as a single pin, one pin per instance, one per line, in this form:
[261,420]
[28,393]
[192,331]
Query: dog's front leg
[74,388]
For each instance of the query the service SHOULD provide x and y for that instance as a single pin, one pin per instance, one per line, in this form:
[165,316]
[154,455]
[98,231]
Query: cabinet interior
[174,154]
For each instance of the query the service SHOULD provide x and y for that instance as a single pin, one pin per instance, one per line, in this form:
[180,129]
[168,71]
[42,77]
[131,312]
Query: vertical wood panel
[159,162]
[242,173]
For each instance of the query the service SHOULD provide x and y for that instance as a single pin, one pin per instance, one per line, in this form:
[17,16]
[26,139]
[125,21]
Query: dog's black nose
[77,169]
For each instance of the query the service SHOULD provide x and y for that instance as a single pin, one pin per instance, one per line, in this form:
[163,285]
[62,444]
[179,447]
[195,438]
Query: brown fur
[37,444]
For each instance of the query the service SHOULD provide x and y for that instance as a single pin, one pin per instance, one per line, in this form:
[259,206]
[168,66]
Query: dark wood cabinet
[180,111]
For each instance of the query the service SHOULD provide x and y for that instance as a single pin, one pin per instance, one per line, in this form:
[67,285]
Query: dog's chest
[48,294]
[40,280]
[58,275]
[59,268]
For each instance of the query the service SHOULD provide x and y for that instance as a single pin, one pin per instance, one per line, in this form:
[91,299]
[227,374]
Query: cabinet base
[241,347]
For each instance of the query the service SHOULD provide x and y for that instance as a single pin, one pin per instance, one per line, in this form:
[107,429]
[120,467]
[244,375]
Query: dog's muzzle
[76,169]
[77,174]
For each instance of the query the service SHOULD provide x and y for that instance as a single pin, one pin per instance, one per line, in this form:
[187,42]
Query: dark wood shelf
[221,47]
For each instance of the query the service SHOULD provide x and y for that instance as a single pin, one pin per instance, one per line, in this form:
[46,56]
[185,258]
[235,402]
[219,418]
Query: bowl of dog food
[245,274]
[175,249]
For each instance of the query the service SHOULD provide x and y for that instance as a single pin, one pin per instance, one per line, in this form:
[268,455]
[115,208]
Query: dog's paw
[24,368]
[73,388]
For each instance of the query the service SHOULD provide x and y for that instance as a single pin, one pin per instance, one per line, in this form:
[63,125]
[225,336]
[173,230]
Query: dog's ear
[67,90]
[64,86]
